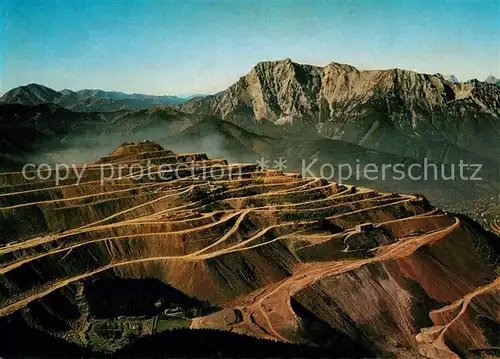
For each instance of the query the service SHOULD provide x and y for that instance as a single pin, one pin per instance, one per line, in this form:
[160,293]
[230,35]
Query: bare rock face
[275,256]
[396,111]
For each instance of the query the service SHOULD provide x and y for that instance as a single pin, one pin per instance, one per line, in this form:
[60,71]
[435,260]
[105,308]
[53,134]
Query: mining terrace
[279,255]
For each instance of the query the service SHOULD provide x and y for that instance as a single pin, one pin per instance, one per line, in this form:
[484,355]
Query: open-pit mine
[104,264]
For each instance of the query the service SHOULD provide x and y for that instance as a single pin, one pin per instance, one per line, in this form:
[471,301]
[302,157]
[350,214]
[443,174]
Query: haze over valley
[250,179]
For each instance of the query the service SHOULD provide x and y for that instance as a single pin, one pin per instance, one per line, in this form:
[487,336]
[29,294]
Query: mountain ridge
[332,114]
[492,80]
[368,107]
[88,100]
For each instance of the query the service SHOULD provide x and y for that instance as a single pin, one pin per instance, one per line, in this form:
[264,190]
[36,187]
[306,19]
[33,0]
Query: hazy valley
[273,260]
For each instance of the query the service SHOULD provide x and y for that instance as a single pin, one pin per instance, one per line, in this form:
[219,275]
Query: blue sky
[174,47]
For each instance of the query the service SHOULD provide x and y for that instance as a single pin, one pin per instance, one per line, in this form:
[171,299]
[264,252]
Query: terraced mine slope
[236,248]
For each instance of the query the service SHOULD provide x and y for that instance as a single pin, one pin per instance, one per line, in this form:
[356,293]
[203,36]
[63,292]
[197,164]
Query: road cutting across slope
[270,226]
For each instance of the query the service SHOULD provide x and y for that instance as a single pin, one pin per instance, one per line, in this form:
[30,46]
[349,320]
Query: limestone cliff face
[398,111]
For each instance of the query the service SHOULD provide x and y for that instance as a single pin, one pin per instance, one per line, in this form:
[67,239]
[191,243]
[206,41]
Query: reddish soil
[282,255]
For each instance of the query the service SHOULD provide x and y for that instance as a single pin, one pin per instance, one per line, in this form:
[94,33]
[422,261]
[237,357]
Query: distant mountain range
[451,78]
[334,114]
[490,79]
[88,100]
[493,80]
[347,265]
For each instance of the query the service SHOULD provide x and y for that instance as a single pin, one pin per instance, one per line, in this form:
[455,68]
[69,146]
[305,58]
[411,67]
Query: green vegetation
[112,298]
[171,323]
[422,304]
[491,330]
[109,335]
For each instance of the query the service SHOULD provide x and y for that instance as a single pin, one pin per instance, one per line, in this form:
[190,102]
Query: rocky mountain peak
[369,107]
[451,78]
[342,67]
[492,80]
